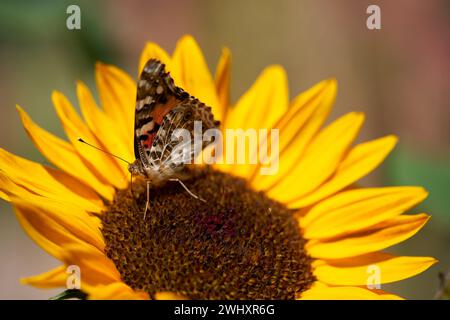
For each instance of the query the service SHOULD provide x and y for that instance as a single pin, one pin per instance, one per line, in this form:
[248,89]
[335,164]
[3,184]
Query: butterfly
[161,108]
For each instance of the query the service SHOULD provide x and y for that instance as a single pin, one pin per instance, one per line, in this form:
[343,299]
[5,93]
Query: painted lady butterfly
[161,108]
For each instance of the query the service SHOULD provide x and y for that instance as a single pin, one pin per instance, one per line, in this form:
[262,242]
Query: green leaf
[70,294]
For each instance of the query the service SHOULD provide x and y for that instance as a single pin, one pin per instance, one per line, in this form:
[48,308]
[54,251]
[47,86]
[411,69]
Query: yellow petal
[169,296]
[8,189]
[103,127]
[116,291]
[45,181]
[345,293]
[117,91]
[360,161]
[261,107]
[370,269]
[4,195]
[321,159]
[222,80]
[63,155]
[193,74]
[46,232]
[83,226]
[54,278]
[379,237]
[96,268]
[154,51]
[356,210]
[263,104]
[304,106]
[298,126]
[101,164]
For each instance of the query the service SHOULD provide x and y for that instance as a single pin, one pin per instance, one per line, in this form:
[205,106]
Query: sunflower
[306,232]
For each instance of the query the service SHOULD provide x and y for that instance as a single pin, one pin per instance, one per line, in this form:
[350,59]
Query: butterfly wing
[161,108]
[183,116]
[156,97]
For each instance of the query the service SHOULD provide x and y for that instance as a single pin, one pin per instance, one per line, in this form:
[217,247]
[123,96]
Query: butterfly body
[161,108]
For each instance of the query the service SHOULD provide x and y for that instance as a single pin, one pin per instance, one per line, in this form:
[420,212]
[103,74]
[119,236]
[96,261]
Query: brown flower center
[238,245]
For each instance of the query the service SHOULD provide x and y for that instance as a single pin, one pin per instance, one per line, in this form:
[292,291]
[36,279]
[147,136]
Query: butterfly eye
[159,89]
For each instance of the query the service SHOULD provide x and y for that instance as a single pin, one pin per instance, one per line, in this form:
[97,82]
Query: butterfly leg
[147,203]
[186,188]
[131,185]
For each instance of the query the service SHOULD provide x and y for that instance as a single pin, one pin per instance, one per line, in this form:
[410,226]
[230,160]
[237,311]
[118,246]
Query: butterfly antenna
[104,151]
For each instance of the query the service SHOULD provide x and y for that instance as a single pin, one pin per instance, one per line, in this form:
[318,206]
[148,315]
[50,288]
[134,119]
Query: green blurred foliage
[33,22]
[409,167]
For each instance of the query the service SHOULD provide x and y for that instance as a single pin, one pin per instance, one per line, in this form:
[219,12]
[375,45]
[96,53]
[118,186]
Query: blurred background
[399,76]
